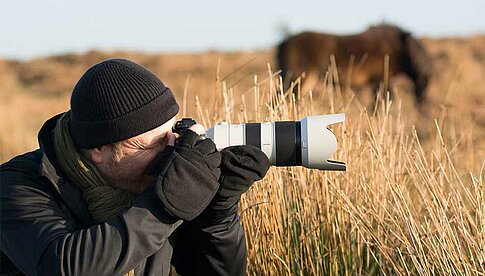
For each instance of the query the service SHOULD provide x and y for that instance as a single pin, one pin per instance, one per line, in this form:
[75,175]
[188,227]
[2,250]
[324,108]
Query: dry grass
[404,206]
[412,201]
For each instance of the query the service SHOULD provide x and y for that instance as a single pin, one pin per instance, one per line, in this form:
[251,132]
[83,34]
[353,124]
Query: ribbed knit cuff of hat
[90,134]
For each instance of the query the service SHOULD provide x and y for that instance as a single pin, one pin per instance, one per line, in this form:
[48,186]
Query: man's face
[129,172]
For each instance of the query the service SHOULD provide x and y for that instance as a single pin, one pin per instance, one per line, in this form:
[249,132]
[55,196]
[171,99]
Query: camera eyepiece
[181,126]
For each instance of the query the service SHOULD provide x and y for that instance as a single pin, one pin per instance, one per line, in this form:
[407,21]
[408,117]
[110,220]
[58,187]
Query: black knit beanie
[115,100]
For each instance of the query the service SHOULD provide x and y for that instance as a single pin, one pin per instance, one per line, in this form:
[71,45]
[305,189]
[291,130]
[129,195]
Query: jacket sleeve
[215,248]
[39,238]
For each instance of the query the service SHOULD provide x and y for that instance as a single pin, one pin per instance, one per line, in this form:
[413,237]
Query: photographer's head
[121,118]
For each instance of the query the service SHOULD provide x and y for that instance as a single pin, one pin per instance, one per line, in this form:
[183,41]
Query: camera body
[308,142]
[182,125]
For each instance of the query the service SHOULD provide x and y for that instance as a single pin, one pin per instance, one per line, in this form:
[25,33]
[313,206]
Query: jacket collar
[46,142]
[50,168]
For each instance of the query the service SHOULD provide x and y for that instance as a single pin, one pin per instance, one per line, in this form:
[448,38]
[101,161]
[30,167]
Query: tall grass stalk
[403,207]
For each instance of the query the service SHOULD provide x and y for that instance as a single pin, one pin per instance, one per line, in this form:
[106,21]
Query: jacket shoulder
[22,173]
[26,163]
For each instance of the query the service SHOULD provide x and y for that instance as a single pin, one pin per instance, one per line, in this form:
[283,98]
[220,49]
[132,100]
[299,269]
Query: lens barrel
[307,143]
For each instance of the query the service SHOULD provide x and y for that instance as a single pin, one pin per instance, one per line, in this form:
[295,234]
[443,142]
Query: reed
[404,207]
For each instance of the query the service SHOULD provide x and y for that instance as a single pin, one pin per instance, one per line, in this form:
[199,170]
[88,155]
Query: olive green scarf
[104,202]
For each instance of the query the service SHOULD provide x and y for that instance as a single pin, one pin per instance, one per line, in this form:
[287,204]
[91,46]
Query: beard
[125,175]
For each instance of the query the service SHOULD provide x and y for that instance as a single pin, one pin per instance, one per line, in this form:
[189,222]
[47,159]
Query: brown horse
[311,53]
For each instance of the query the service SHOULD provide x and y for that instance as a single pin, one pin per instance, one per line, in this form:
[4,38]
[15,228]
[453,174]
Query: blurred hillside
[32,91]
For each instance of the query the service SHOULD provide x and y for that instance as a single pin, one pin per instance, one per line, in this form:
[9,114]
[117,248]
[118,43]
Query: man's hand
[240,167]
[214,242]
[188,176]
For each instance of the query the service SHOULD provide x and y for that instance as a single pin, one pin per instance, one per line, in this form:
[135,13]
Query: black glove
[240,167]
[188,175]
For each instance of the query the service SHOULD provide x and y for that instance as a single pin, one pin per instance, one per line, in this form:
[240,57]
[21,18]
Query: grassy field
[411,203]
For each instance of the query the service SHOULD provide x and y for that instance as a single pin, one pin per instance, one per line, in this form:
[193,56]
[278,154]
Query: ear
[99,154]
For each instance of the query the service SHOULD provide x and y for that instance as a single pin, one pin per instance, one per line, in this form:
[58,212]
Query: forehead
[153,135]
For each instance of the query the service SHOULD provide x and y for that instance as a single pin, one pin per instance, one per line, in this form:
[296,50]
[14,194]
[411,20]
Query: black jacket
[46,229]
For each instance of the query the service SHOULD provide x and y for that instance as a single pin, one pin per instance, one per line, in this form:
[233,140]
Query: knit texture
[118,99]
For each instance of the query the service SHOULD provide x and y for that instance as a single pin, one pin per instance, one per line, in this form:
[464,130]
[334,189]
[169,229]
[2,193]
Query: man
[111,191]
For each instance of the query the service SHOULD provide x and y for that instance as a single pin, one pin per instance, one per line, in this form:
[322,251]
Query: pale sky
[45,27]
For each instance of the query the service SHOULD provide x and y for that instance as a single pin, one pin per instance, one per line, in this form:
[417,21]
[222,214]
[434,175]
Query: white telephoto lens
[307,143]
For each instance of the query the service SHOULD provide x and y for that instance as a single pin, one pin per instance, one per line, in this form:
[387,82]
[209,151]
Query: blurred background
[45,46]
[40,28]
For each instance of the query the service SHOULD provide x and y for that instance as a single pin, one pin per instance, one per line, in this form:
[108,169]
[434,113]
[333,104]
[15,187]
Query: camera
[182,125]
[308,142]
